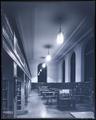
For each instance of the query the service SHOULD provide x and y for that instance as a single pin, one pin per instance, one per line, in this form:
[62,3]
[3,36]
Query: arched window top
[73,54]
[40,65]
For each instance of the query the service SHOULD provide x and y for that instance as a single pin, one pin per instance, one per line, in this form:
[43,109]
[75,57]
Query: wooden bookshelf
[18,95]
[4,95]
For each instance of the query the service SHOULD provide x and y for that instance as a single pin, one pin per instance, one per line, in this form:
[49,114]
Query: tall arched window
[89,61]
[73,62]
[63,71]
[42,77]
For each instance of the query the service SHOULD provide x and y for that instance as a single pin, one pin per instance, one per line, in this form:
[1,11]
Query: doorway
[42,77]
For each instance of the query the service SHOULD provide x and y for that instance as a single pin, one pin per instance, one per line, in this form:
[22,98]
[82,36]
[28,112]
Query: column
[78,64]
[67,68]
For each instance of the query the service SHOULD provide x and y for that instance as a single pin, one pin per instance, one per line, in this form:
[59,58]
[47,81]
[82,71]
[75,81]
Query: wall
[34,71]
[52,72]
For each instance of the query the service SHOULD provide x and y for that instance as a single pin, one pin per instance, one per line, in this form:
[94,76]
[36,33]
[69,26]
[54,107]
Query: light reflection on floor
[83,114]
[37,109]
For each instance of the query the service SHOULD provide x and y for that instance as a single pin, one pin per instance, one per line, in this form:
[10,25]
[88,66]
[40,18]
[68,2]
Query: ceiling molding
[81,39]
[67,41]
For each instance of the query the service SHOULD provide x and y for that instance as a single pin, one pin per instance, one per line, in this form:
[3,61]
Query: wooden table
[49,96]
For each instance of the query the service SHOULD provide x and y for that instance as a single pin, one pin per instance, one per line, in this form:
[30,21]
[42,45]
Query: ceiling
[38,23]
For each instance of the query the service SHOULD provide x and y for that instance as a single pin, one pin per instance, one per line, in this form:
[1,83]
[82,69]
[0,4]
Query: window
[73,67]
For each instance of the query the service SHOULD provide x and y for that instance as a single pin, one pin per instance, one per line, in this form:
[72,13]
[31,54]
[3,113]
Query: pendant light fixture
[43,65]
[48,57]
[60,36]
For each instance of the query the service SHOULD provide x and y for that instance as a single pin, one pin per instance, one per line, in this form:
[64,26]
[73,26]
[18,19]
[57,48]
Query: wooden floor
[37,109]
